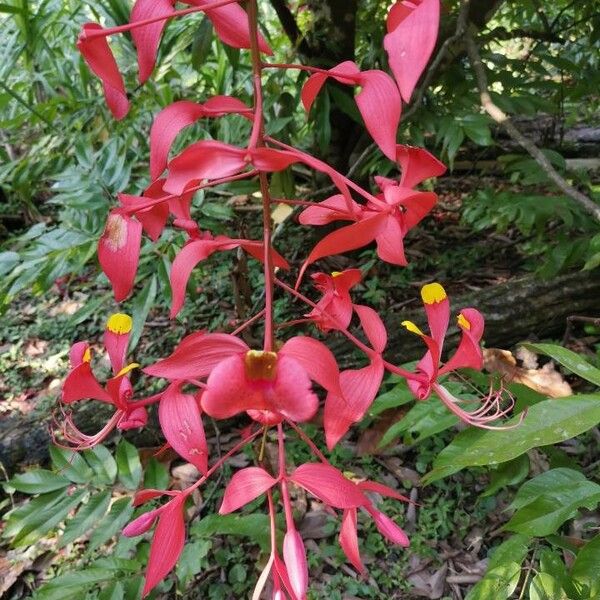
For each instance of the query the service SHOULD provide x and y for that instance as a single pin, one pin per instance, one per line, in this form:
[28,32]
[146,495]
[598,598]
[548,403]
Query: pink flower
[269,386]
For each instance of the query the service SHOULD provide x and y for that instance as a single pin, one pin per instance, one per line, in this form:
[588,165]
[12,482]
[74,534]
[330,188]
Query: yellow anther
[87,355]
[260,365]
[128,368]
[119,323]
[432,293]
[463,321]
[336,273]
[410,326]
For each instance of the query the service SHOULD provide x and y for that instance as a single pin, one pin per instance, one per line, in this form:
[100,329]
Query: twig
[503,119]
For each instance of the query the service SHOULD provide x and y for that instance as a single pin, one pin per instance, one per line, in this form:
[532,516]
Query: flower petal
[197,355]
[245,486]
[311,88]
[203,160]
[417,165]
[468,354]
[119,252]
[80,384]
[294,557]
[349,539]
[332,209]
[328,485]
[181,422]
[142,524]
[372,326]
[380,105]
[410,43]
[390,242]
[100,59]
[147,37]
[389,529]
[359,389]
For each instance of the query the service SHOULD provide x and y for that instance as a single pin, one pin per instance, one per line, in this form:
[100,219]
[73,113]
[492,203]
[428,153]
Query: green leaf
[73,585]
[39,481]
[547,422]
[141,307]
[255,527]
[511,472]
[544,587]
[514,549]
[118,515]
[397,396]
[569,360]
[129,465]
[103,464]
[498,583]
[41,522]
[584,571]
[71,464]
[86,518]
[192,560]
[19,518]
[156,475]
[545,502]
[113,591]
[202,43]
[552,563]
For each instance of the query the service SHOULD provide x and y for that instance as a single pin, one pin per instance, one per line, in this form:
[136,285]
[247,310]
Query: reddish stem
[257,140]
[178,13]
[249,322]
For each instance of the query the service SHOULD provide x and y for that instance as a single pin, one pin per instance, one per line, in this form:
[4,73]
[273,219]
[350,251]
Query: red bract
[81,384]
[378,101]
[412,32]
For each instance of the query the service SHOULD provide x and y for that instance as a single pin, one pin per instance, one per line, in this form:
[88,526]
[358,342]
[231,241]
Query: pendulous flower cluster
[216,373]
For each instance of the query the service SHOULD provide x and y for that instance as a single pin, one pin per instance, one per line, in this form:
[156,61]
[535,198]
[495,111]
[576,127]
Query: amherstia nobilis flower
[278,385]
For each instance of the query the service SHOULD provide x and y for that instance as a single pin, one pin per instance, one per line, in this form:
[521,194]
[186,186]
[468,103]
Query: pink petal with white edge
[410,43]
[359,389]
[417,165]
[245,486]
[294,556]
[349,539]
[197,355]
[316,359]
[380,105]
[372,326]
[181,422]
[328,485]
[147,38]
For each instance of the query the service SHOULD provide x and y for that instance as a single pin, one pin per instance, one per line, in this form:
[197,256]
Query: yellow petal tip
[410,326]
[119,323]
[433,293]
[463,321]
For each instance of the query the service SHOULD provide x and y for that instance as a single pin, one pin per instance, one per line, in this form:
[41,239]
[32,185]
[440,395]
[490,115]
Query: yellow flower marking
[87,355]
[433,293]
[260,365]
[463,321]
[128,368]
[412,327]
[119,323]
[336,274]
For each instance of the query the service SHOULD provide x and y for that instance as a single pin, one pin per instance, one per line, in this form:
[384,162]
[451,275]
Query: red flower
[81,383]
[270,386]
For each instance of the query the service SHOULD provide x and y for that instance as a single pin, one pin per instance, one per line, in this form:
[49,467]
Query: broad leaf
[255,527]
[86,518]
[547,422]
[129,466]
[112,523]
[584,571]
[103,464]
[39,481]
[569,360]
[497,583]
[70,464]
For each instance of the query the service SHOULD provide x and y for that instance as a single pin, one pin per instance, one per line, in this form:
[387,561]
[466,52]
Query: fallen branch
[496,113]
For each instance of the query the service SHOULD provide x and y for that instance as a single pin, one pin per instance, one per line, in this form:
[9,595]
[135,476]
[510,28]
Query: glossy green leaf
[514,549]
[20,517]
[86,518]
[113,591]
[112,523]
[103,464]
[70,464]
[399,395]
[498,583]
[202,44]
[129,465]
[193,560]
[569,360]
[547,422]
[38,481]
[585,570]
[511,472]
[545,587]
[552,563]
[544,503]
